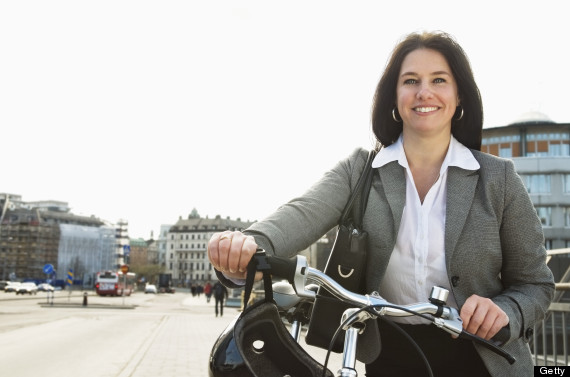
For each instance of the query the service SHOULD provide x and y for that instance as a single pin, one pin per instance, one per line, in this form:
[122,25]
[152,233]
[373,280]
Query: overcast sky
[143,110]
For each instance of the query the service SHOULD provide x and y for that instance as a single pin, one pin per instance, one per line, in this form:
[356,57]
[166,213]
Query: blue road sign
[126,249]
[48,269]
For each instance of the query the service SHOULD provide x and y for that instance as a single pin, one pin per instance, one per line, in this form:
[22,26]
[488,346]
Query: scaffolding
[85,250]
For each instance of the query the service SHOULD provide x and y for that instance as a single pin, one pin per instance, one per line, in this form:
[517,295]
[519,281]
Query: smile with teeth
[425,109]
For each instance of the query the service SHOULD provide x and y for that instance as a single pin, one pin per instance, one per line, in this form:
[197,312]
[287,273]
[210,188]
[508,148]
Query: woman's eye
[439,80]
[410,81]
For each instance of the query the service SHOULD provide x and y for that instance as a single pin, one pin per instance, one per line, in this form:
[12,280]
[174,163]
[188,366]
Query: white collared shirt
[418,260]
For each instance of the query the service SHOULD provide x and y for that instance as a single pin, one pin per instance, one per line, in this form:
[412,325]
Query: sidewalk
[181,344]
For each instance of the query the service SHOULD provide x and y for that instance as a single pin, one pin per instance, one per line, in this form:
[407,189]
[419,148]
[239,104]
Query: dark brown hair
[467,130]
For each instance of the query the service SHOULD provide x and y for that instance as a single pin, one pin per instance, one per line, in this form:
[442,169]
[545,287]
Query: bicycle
[264,349]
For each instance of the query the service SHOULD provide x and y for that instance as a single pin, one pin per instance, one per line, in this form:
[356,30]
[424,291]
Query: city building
[540,150]
[161,244]
[186,247]
[138,256]
[152,252]
[36,234]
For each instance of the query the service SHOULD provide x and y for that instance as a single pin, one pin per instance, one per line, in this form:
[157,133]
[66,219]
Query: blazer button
[455,281]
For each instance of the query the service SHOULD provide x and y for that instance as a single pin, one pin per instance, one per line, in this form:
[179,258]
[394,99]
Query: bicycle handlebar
[297,271]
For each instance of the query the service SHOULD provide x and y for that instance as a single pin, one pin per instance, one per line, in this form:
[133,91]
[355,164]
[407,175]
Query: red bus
[110,283]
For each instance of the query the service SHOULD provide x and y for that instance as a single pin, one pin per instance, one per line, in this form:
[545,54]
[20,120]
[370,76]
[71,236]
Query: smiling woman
[447,68]
[436,216]
[426,94]
[426,99]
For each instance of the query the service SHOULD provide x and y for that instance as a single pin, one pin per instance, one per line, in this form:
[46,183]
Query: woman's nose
[424,92]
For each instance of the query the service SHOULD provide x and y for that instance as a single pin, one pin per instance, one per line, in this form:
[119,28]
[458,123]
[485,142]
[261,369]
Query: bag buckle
[343,275]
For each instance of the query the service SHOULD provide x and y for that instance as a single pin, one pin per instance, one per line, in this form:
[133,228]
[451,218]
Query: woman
[439,213]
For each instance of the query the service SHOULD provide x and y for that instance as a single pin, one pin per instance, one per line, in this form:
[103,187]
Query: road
[156,338]
[151,335]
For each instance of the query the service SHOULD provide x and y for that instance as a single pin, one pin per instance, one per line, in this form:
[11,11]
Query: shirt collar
[457,155]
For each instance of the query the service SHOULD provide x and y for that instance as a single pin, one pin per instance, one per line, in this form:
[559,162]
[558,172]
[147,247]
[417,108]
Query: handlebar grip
[278,266]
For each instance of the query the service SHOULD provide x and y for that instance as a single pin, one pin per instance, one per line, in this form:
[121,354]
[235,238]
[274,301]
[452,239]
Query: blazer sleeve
[303,220]
[527,280]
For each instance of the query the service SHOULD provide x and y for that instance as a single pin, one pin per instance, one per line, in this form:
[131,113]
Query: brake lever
[489,345]
[454,325]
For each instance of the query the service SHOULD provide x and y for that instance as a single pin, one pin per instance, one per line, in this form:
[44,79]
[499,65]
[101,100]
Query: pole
[124,286]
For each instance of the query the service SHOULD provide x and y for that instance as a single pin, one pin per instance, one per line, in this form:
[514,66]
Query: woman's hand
[230,252]
[483,317]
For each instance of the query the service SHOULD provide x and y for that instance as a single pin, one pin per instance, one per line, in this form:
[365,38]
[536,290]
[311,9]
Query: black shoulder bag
[346,265]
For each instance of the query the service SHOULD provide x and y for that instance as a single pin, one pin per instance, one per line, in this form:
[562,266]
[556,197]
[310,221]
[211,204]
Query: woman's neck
[425,157]
[424,153]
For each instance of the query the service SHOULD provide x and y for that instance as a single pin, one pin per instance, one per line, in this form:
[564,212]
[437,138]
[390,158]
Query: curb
[90,306]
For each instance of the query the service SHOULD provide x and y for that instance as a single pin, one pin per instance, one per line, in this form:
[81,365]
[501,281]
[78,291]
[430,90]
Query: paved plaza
[139,336]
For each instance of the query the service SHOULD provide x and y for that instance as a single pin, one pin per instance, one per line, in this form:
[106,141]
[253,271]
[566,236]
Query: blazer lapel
[461,186]
[394,183]
[387,197]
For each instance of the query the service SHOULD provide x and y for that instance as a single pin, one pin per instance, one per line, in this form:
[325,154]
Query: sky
[144,110]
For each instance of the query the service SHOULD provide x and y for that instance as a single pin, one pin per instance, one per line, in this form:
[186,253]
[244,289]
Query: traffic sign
[126,250]
[70,277]
[48,269]
[124,268]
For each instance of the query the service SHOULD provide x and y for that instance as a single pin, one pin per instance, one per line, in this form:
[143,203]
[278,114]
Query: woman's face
[426,93]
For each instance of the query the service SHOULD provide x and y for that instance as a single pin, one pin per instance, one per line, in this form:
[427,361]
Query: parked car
[3,284]
[12,286]
[27,288]
[45,287]
[150,288]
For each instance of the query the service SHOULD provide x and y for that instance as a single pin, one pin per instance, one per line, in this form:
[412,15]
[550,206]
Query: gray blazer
[493,241]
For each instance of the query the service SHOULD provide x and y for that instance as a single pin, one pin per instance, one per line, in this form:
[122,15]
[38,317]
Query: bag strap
[258,263]
[353,213]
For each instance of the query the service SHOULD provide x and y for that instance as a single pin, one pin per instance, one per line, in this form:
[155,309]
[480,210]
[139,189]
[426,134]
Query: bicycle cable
[371,310]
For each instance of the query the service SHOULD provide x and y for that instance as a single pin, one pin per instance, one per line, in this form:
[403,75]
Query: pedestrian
[208,291]
[440,212]
[220,293]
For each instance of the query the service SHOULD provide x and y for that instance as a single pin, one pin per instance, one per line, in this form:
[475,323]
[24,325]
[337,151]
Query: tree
[149,272]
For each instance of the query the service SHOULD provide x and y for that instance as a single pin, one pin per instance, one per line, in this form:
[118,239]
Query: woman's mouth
[426,109]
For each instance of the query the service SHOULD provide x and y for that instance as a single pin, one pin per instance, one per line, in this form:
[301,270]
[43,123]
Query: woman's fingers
[235,252]
[482,317]
[230,252]
[249,248]
[213,250]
